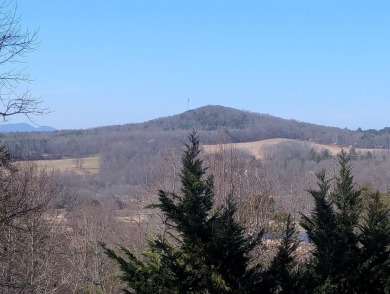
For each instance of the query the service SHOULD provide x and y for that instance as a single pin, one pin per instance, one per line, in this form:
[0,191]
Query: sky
[98,63]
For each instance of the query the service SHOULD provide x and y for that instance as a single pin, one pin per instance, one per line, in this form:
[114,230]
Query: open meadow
[259,148]
[85,165]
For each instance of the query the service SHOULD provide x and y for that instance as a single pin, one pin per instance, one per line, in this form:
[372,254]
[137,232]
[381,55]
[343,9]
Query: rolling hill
[215,124]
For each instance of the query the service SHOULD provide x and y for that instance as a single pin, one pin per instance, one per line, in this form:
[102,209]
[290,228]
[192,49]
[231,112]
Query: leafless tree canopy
[15,44]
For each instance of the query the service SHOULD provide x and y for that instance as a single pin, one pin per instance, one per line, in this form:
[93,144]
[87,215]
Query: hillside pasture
[85,165]
[259,149]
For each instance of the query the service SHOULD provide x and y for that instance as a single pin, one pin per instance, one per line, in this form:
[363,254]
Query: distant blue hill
[23,127]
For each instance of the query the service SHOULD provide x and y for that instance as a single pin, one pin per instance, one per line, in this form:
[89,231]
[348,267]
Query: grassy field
[255,148]
[79,165]
[258,148]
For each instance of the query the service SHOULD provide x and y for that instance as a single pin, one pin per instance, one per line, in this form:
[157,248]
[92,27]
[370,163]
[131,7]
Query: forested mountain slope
[214,124]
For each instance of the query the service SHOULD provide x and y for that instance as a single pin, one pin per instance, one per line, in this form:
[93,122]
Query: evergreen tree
[283,275]
[331,230]
[347,205]
[374,236]
[321,231]
[206,250]
[351,252]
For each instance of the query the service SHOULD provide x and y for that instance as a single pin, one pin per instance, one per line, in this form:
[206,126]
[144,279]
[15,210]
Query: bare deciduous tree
[91,224]
[32,233]
[15,44]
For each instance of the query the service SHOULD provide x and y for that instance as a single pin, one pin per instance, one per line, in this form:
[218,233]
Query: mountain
[23,127]
[214,123]
[243,126]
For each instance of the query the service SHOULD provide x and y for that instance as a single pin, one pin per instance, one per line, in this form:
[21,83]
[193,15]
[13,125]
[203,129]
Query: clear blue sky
[100,63]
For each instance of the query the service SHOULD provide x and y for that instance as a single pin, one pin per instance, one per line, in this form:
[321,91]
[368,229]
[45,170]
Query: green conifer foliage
[283,275]
[351,252]
[374,236]
[206,250]
[321,231]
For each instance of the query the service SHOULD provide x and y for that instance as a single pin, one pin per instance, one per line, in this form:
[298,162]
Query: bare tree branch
[15,44]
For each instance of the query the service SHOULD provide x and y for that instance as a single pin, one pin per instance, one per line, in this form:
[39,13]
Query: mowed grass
[89,164]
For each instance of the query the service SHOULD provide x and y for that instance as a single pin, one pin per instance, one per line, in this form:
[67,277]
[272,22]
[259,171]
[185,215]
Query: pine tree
[321,230]
[230,250]
[331,228]
[374,236]
[351,250]
[347,202]
[283,275]
[206,251]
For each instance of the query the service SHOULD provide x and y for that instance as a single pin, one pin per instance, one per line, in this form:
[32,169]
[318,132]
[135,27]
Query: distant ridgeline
[23,127]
